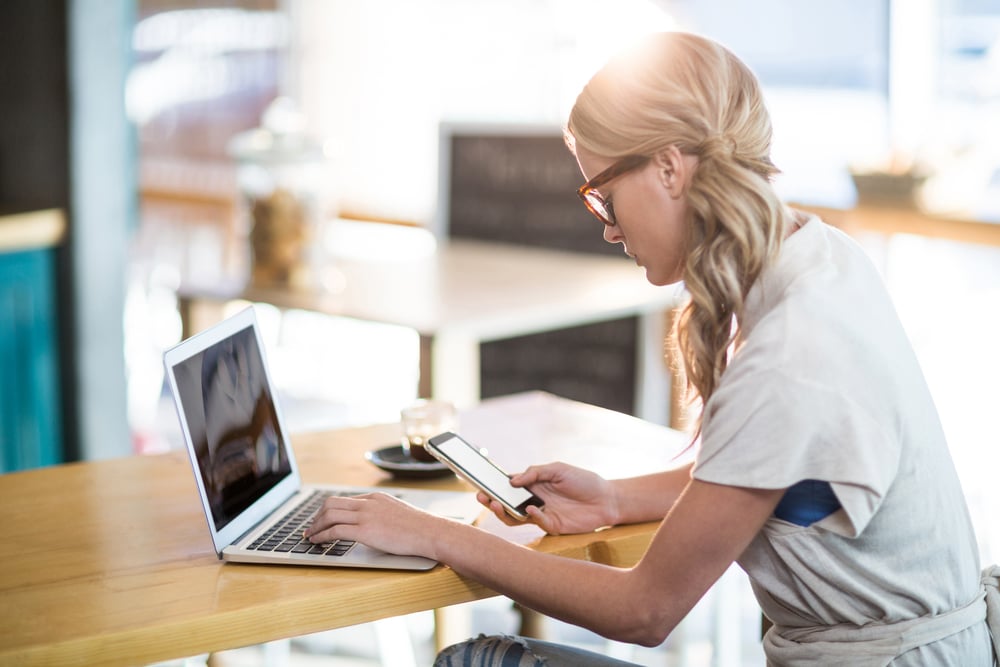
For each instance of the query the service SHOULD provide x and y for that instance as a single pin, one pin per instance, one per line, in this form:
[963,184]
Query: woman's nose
[613,234]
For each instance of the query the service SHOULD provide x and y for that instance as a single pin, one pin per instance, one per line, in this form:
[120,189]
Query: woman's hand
[377,520]
[576,500]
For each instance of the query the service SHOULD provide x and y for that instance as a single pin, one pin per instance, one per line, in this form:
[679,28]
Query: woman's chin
[661,279]
[653,279]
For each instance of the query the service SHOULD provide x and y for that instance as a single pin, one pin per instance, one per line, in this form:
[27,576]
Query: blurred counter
[31,230]
[885,219]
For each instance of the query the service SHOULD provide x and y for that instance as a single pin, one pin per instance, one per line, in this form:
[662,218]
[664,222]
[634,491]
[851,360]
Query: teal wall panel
[30,423]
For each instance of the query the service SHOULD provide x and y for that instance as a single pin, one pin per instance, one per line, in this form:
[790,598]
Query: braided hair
[687,91]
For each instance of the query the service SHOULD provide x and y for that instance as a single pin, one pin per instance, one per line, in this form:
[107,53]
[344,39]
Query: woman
[821,465]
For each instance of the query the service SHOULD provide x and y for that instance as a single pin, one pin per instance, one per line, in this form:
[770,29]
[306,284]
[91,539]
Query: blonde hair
[683,90]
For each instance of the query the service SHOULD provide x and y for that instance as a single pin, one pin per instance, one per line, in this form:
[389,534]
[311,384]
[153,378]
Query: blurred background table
[889,220]
[458,294]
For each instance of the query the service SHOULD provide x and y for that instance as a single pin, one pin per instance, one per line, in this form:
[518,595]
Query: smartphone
[472,465]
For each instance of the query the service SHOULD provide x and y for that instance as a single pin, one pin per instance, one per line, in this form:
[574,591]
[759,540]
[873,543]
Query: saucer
[393,459]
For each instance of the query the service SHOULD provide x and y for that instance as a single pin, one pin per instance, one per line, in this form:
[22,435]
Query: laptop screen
[233,424]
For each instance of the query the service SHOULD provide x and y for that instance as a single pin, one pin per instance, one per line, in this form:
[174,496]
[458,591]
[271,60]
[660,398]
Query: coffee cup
[421,421]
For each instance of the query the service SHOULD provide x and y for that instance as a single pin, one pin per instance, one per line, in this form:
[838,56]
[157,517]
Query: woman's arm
[649,497]
[707,529]
[704,532]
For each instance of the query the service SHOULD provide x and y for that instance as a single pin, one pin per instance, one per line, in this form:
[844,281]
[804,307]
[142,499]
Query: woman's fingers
[544,521]
[340,531]
[336,511]
[497,509]
[530,475]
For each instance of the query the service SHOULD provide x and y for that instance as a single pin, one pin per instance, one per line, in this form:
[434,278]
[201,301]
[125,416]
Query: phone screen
[481,468]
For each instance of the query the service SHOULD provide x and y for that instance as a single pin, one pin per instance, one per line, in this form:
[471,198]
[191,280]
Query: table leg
[660,383]
[425,384]
[184,308]
[532,622]
[449,368]
[653,382]
[451,625]
[197,315]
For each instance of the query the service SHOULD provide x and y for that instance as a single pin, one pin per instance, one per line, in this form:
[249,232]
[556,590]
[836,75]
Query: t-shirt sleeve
[762,429]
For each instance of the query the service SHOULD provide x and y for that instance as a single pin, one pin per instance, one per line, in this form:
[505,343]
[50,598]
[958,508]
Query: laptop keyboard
[286,534]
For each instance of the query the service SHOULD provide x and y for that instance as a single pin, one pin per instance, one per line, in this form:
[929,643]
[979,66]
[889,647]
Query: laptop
[244,466]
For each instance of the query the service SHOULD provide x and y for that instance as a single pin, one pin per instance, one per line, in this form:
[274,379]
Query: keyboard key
[286,534]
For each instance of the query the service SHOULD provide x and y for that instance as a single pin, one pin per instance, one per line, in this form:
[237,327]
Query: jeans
[506,651]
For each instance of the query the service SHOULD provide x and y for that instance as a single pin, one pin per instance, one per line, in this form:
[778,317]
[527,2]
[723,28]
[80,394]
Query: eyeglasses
[592,199]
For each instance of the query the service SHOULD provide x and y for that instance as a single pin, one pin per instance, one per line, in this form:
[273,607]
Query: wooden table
[110,562]
[458,294]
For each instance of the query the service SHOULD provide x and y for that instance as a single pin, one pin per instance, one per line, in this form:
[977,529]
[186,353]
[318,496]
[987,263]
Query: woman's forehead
[590,163]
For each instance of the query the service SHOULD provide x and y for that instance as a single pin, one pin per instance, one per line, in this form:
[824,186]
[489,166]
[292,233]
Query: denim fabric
[506,651]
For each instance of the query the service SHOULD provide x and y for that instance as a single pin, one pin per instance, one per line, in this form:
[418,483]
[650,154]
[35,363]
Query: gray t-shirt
[823,384]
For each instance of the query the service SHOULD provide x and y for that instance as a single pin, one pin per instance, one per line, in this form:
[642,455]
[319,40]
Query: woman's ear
[672,170]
